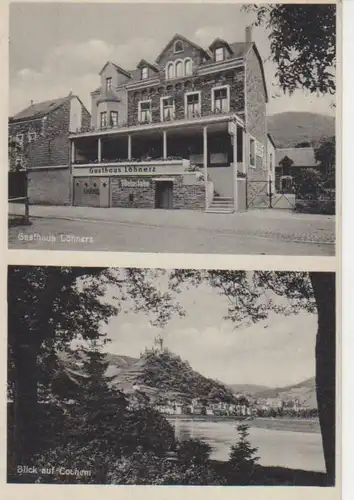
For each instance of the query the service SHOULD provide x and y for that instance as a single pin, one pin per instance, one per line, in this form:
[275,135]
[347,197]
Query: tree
[309,183]
[302,43]
[313,292]
[325,154]
[49,308]
[243,459]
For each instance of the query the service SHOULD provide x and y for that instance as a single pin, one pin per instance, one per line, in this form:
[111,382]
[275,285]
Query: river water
[284,448]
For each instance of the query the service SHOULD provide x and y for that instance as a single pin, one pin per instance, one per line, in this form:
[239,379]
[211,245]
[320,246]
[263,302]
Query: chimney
[248,34]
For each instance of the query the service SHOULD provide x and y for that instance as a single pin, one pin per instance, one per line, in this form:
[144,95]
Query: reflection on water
[297,450]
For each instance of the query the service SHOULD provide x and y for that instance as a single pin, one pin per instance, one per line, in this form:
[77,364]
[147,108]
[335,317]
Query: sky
[275,352]
[56,48]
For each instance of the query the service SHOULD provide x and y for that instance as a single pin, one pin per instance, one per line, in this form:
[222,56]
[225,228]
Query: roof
[301,157]
[184,39]
[271,140]
[144,62]
[39,109]
[118,68]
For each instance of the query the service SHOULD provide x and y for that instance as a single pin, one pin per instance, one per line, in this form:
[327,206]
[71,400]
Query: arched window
[179,69]
[188,67]
[178,46]
[170,71]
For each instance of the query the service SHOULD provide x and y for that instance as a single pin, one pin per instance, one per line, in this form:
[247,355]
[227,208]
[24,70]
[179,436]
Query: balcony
[156,122]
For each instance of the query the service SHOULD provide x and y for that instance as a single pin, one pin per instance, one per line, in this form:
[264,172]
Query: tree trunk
[25,406]
[324,290]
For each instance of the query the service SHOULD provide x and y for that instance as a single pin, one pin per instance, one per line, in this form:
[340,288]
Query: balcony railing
[126,160]
[192,115]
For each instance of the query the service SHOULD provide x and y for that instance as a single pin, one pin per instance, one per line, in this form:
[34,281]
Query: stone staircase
[221,205]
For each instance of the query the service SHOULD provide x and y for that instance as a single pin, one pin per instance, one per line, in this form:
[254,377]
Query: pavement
[265,231]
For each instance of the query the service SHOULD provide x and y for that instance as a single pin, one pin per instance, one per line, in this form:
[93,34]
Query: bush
[243,459]
[193,451]
[149,469]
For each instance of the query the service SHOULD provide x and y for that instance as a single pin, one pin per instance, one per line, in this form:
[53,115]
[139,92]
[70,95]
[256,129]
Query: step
[223,198]
[219,210]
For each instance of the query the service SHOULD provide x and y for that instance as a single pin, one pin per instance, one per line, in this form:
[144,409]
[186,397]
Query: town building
[41,132]
[289,161]
[187,130]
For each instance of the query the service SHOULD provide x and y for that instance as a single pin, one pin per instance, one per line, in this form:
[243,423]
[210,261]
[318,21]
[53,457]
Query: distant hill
[248,389]
[291,128]
[304,391]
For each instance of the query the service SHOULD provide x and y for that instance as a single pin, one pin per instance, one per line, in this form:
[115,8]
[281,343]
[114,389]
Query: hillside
[291,128]
[304,391]
[160,375]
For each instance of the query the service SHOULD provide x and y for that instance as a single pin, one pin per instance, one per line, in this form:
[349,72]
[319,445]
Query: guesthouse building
[185,131]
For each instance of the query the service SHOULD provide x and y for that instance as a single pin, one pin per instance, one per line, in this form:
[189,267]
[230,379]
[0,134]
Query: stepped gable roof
[301,157]
[39,109]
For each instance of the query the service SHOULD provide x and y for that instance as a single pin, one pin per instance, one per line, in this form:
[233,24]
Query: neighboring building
[42,132]
[173,133]
[290,160]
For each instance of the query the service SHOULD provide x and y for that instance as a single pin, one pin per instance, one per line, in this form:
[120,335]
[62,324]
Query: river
[296,449]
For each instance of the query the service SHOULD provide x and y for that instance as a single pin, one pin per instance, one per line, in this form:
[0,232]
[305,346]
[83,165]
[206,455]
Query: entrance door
[164,194]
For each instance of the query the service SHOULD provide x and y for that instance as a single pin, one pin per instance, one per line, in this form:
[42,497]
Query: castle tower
[158,343]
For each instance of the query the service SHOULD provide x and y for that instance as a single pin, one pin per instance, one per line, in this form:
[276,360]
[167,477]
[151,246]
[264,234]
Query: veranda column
[164,154]
[205,163]
[244,152]
[235,167]
[73,152]
[129,147]
[99,150]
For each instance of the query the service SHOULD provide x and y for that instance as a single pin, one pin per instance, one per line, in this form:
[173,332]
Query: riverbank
[277,424]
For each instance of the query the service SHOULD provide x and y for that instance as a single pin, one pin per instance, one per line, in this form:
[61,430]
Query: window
[145,111]
[188,67]
[32,136]
[192,105]
[144,73]
[179,69]
[19,139]
[271,162]
[103,119]
[114,118]
[219,54]
[108,84]
[170,73]
[167,109]
[178,46]
[221,100]
[252,153]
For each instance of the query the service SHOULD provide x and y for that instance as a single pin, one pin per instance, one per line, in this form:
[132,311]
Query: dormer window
[108,84]
[144,72]
[178,47]
[219,54]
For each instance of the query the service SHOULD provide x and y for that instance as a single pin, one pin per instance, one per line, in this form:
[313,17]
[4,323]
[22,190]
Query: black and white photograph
[173,128]
[132,376]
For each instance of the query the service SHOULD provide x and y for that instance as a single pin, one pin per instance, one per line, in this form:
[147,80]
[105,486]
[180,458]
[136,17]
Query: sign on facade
[140,183]
[232,128]
[259,149]
[127,170]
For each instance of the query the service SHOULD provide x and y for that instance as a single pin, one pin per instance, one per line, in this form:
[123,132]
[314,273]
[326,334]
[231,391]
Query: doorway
[164,194]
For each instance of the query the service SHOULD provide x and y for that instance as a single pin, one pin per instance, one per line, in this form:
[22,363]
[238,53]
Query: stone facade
[189,197]
[178,89]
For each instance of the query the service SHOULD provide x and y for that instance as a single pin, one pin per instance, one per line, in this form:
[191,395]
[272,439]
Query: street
[266,232]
